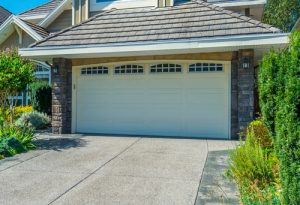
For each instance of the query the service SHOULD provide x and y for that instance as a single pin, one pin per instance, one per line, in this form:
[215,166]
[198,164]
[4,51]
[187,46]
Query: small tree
[15,74]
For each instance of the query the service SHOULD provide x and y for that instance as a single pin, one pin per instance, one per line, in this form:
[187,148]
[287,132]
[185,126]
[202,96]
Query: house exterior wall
[13,41]
[242,86]
[62,22]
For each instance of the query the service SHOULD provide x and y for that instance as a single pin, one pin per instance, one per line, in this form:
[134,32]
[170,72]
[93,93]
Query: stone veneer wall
[234,99]
[242,93]
[62,96]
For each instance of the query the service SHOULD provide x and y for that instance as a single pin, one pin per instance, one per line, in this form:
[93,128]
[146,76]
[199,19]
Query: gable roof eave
[55,13]
[21,24]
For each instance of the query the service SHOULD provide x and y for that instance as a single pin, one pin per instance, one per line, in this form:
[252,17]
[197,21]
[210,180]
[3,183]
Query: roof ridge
[237,15]
[69,28]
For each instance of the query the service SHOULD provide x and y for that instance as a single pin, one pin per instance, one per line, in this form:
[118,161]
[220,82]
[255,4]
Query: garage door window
[205,67]
[100,70]
[166,68]
[129,69]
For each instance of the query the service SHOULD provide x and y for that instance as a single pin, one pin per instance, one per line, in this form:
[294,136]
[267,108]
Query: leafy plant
[284,113]
[14,140]
[15,74]
[41,97]
[34,119]
[254,165]
[282,14]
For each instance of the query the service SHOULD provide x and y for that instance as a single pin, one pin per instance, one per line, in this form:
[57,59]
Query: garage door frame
[184,63]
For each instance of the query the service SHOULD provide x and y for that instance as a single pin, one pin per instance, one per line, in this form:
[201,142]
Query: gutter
[240,3]
[161,47]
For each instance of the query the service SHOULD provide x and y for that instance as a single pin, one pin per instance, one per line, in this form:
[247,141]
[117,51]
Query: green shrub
[41,97]
[35,120]
[14,140]
[268,87]
[285,113]
[254,166]
[260,132]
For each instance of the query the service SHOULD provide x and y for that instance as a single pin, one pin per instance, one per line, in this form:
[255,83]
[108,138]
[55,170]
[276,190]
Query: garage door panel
[178,104]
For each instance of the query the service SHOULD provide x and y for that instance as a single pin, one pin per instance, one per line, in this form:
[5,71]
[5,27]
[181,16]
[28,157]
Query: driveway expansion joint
[92,173]
[22,161]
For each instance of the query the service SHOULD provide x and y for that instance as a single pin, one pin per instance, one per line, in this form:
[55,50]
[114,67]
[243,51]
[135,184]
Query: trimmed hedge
[279,87]
[41,97]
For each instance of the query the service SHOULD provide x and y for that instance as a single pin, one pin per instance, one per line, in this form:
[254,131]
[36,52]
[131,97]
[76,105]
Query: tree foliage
[15,74]
[279,87]
[282,14]
[41,97]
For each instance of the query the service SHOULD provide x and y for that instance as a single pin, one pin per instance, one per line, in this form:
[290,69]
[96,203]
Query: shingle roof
[43,9]
[194,19]
[4,14]
[38,29]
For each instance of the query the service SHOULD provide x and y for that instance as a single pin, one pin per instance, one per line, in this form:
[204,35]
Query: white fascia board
[241,3]
[27,29]
[4,27]
[160,47]
[6,23]
[32,17]
[14,19]
[55,13]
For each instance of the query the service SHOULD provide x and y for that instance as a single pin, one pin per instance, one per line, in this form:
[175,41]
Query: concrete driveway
[107,170]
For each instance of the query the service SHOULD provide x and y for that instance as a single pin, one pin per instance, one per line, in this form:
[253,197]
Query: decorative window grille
[129,69]
[166,68]
[206,67]
[99,70]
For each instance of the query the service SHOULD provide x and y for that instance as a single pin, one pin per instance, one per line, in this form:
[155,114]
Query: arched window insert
[166,68]
[129,69]
[99,70]
[205,67]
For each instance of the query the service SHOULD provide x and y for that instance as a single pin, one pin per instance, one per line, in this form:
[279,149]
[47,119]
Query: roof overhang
[7,28]
[216,44]
[32,17]
[241,3]
[66,4]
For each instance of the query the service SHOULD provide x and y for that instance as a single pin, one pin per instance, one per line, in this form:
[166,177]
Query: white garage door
[170,99]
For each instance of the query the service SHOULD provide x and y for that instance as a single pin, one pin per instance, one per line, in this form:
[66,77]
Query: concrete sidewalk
[107,170]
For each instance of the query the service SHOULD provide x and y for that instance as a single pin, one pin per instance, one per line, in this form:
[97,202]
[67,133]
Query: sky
[19,6]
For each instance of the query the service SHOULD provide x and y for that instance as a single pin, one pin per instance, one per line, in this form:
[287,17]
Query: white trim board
[55,13]
[21,24]
[161,47]
[240,3]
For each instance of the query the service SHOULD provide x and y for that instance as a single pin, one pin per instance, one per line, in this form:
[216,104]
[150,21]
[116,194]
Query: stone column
[246,86]
[61,96]
[234,97]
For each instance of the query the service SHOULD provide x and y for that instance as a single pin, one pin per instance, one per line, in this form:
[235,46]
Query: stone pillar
[61,96]
[246,88]
[234,97]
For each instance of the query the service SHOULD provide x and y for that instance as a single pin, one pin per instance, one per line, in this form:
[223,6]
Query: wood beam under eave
[20,34]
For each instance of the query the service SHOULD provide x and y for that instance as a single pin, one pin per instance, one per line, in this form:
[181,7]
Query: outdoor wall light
[246,63]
